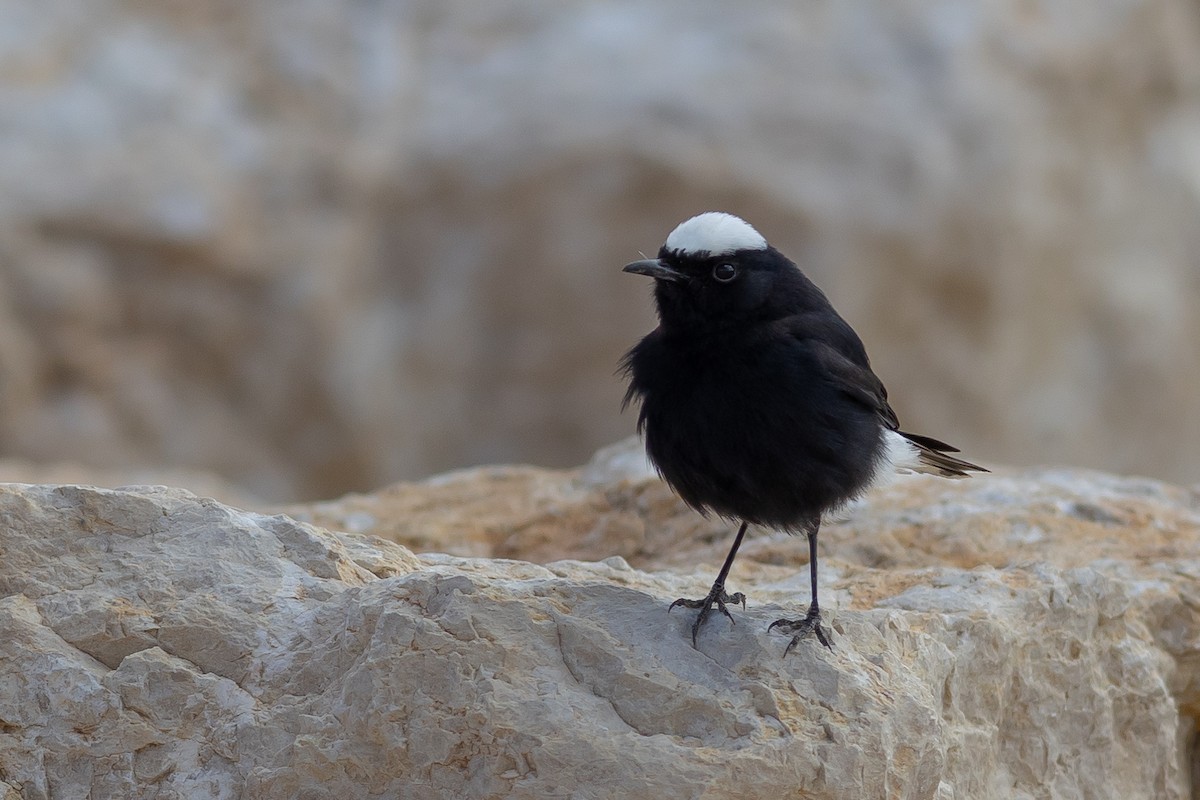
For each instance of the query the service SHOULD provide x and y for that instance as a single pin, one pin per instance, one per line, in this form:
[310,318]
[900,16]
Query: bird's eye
[724,272]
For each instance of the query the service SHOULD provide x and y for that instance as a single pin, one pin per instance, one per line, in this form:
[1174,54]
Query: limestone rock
[615,504]
[209,484]
[317,248]
[1027,634]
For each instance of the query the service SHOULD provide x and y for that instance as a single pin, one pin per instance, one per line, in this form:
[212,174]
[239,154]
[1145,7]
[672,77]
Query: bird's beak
[655,269]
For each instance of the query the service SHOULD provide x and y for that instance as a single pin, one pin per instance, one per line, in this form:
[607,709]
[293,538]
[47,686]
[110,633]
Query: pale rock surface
[209,484]
[319,247]
[1020,635]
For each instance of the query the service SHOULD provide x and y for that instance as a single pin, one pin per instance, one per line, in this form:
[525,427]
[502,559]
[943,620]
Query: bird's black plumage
[757,399]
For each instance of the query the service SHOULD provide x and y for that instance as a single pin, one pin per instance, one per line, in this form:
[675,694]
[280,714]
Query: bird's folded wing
[856,381]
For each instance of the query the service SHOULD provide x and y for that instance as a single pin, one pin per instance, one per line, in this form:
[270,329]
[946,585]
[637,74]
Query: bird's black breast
[748,425]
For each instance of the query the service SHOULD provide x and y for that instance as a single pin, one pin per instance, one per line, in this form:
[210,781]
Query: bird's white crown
[715,233]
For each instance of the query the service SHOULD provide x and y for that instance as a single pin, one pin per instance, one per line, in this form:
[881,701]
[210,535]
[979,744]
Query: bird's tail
[933,458]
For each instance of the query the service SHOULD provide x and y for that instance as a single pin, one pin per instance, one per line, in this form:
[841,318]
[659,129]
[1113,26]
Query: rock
[208,484]
[616,504]
[613,505]
[317,251]
[1026,634]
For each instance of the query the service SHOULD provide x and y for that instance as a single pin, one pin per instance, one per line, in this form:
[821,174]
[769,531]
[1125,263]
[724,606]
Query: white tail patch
[898,457]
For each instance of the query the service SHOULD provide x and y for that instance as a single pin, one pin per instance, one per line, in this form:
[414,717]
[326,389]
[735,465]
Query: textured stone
[317,248]
[1021,635]
[617,504]
[208,484]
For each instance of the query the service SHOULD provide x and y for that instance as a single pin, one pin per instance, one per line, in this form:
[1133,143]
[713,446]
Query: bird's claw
[716,597]
[811,624]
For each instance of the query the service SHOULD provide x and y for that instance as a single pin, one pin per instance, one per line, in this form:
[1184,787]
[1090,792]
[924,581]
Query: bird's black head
[715,270]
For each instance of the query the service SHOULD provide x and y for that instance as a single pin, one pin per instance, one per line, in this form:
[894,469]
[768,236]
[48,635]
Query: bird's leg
[811,624]
[716,596]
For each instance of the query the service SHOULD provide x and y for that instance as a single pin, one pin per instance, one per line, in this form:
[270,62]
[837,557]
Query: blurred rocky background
[308,248]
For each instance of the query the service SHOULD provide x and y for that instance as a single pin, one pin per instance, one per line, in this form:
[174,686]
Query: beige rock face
[317,248]
[1027,634]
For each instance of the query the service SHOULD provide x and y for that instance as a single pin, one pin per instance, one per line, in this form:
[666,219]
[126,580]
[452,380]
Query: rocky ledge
[1022,634]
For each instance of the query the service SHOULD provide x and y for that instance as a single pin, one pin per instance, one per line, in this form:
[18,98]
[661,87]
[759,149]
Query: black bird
[757,399]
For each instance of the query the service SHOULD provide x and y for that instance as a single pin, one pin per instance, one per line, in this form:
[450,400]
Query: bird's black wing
[843,359]
[857,382]
[840,355]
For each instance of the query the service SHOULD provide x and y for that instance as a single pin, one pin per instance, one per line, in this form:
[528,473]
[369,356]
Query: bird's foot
[811,624]
[716,598]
